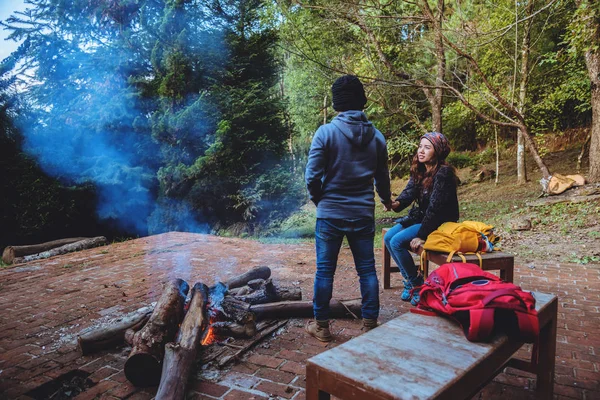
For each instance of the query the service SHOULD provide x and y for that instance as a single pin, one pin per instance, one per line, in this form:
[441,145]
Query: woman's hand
[416,243]
[395,205]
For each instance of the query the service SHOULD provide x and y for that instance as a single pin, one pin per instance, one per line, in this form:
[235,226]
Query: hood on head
[355,126]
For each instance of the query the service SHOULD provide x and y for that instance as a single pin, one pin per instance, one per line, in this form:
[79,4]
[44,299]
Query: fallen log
[112,333]
[180,356]
[67,248]
[11,252]
[143,366]
[304,309]
[255,273]
[269,293]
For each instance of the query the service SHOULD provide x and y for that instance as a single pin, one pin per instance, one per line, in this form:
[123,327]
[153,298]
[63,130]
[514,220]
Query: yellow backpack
[458,238]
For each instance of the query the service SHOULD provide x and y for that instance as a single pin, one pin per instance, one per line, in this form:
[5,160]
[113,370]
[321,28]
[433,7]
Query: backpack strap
[503,292]
[452,254]
[481,324]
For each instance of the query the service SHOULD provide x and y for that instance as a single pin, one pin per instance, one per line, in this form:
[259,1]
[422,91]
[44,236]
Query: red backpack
[481,302]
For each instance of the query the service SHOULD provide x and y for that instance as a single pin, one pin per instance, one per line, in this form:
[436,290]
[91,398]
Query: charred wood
[255,273]
[112,333]
[180,355]
[223,361]
[143,366]
[269,293]
[234,330]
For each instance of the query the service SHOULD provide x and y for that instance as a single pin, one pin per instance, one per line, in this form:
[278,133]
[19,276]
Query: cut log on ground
[180,355]
[143,366]
[67,248]
[255,273]
[11,252]
[269,293]
[304,309]
[112,333]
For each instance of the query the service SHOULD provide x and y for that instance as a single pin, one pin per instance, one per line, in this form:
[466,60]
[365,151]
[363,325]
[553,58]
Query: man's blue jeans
[397,240]
[329,234]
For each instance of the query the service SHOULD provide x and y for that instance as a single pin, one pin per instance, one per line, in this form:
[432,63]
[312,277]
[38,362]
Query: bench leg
[507,273]
[386,265]
[547,356]
[312,386]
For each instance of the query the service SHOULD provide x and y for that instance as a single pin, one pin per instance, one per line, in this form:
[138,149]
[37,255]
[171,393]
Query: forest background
[133,117]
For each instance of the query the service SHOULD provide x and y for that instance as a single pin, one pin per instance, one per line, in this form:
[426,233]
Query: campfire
[202,325]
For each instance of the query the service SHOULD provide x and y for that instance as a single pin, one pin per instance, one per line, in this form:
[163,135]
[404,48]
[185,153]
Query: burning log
[143,366]
[234,309]
[112,333]
[304,309]
[269,293]
[11,252]
[67,248]
[180,356]
[255,273]
[234,330]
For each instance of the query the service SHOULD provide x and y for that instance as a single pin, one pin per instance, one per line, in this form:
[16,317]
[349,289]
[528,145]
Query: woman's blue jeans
[329,234]
[397,240]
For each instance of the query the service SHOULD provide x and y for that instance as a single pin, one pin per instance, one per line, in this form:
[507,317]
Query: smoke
[91,123]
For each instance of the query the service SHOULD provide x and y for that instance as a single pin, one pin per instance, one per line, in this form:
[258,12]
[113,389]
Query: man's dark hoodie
[346,157]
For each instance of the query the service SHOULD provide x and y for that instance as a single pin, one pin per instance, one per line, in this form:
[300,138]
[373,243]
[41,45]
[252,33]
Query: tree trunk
[592,60]
[436,99]
[304,309]
[534,152]
[180,356]
[67,248]
[113,332]
[10,252]
[525,51]
[521,166]
[143,366]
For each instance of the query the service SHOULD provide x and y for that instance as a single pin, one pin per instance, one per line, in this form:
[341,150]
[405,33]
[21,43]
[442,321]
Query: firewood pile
[202,325]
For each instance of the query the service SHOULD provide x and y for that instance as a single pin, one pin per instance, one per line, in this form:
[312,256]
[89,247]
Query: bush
[460,160]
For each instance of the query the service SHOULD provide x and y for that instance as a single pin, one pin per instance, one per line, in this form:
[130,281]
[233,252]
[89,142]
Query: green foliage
[460,160]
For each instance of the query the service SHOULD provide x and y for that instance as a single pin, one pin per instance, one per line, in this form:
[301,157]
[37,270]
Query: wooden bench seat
[421,357]
[497,260]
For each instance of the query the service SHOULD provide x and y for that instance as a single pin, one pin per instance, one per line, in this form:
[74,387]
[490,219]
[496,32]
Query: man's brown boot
[319,330]
[369,324]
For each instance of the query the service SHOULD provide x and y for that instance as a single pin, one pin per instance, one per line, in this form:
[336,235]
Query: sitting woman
[432,186]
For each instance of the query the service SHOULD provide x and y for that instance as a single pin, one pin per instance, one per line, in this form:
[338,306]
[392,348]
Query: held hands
[416,243]
[391,205]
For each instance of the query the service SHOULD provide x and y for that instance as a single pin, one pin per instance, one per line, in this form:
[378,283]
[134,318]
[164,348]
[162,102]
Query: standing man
[346,157]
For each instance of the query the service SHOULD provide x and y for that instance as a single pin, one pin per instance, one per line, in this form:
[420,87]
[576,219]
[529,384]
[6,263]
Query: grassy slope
[562,232]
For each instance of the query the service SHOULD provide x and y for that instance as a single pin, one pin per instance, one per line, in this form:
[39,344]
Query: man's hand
[387,206]
[416,243]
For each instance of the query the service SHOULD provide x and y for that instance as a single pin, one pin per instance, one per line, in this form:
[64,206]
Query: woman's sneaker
[411,286]
[405,296]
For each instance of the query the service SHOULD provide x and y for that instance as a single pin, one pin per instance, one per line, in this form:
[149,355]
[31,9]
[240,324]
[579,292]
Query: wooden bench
[421,357]
[496,260]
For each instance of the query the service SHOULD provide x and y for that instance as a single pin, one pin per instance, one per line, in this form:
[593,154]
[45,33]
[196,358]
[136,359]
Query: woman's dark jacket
[433,208]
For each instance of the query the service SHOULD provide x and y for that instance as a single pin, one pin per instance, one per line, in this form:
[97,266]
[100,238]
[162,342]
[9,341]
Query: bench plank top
[415,356]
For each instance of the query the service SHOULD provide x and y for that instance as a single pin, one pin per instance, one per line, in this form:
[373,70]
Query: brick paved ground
[43,305]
